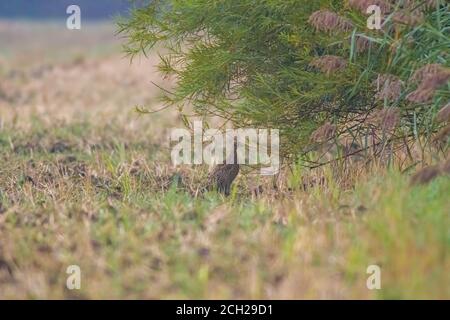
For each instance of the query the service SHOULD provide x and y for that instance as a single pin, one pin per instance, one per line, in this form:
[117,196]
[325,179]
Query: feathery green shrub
[312,69]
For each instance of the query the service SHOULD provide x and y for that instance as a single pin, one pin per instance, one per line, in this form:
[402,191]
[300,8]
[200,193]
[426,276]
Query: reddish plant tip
[430,77]
[329,64]
[385,119]
[324,133]
[408,17]
[444,114]
[389,87]
[445,167]
[427,71]
[362,44]
[327,21]
[443,134]
[425,175]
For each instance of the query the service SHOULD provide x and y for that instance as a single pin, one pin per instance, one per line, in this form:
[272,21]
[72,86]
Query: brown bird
[223,175]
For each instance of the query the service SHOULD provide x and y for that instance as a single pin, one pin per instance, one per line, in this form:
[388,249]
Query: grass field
[85,180]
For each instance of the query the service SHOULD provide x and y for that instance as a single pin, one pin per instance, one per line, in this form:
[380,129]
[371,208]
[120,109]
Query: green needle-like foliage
[298,64]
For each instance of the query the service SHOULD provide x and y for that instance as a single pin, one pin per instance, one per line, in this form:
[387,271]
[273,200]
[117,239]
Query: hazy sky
[56,9]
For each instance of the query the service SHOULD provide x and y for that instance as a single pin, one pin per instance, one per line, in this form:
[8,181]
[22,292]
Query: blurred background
[52,72]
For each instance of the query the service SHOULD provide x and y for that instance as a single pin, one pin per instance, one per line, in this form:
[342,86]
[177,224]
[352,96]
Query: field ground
[85,180]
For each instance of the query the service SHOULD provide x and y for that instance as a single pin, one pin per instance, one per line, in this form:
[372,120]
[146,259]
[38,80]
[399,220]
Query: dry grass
[84,180]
